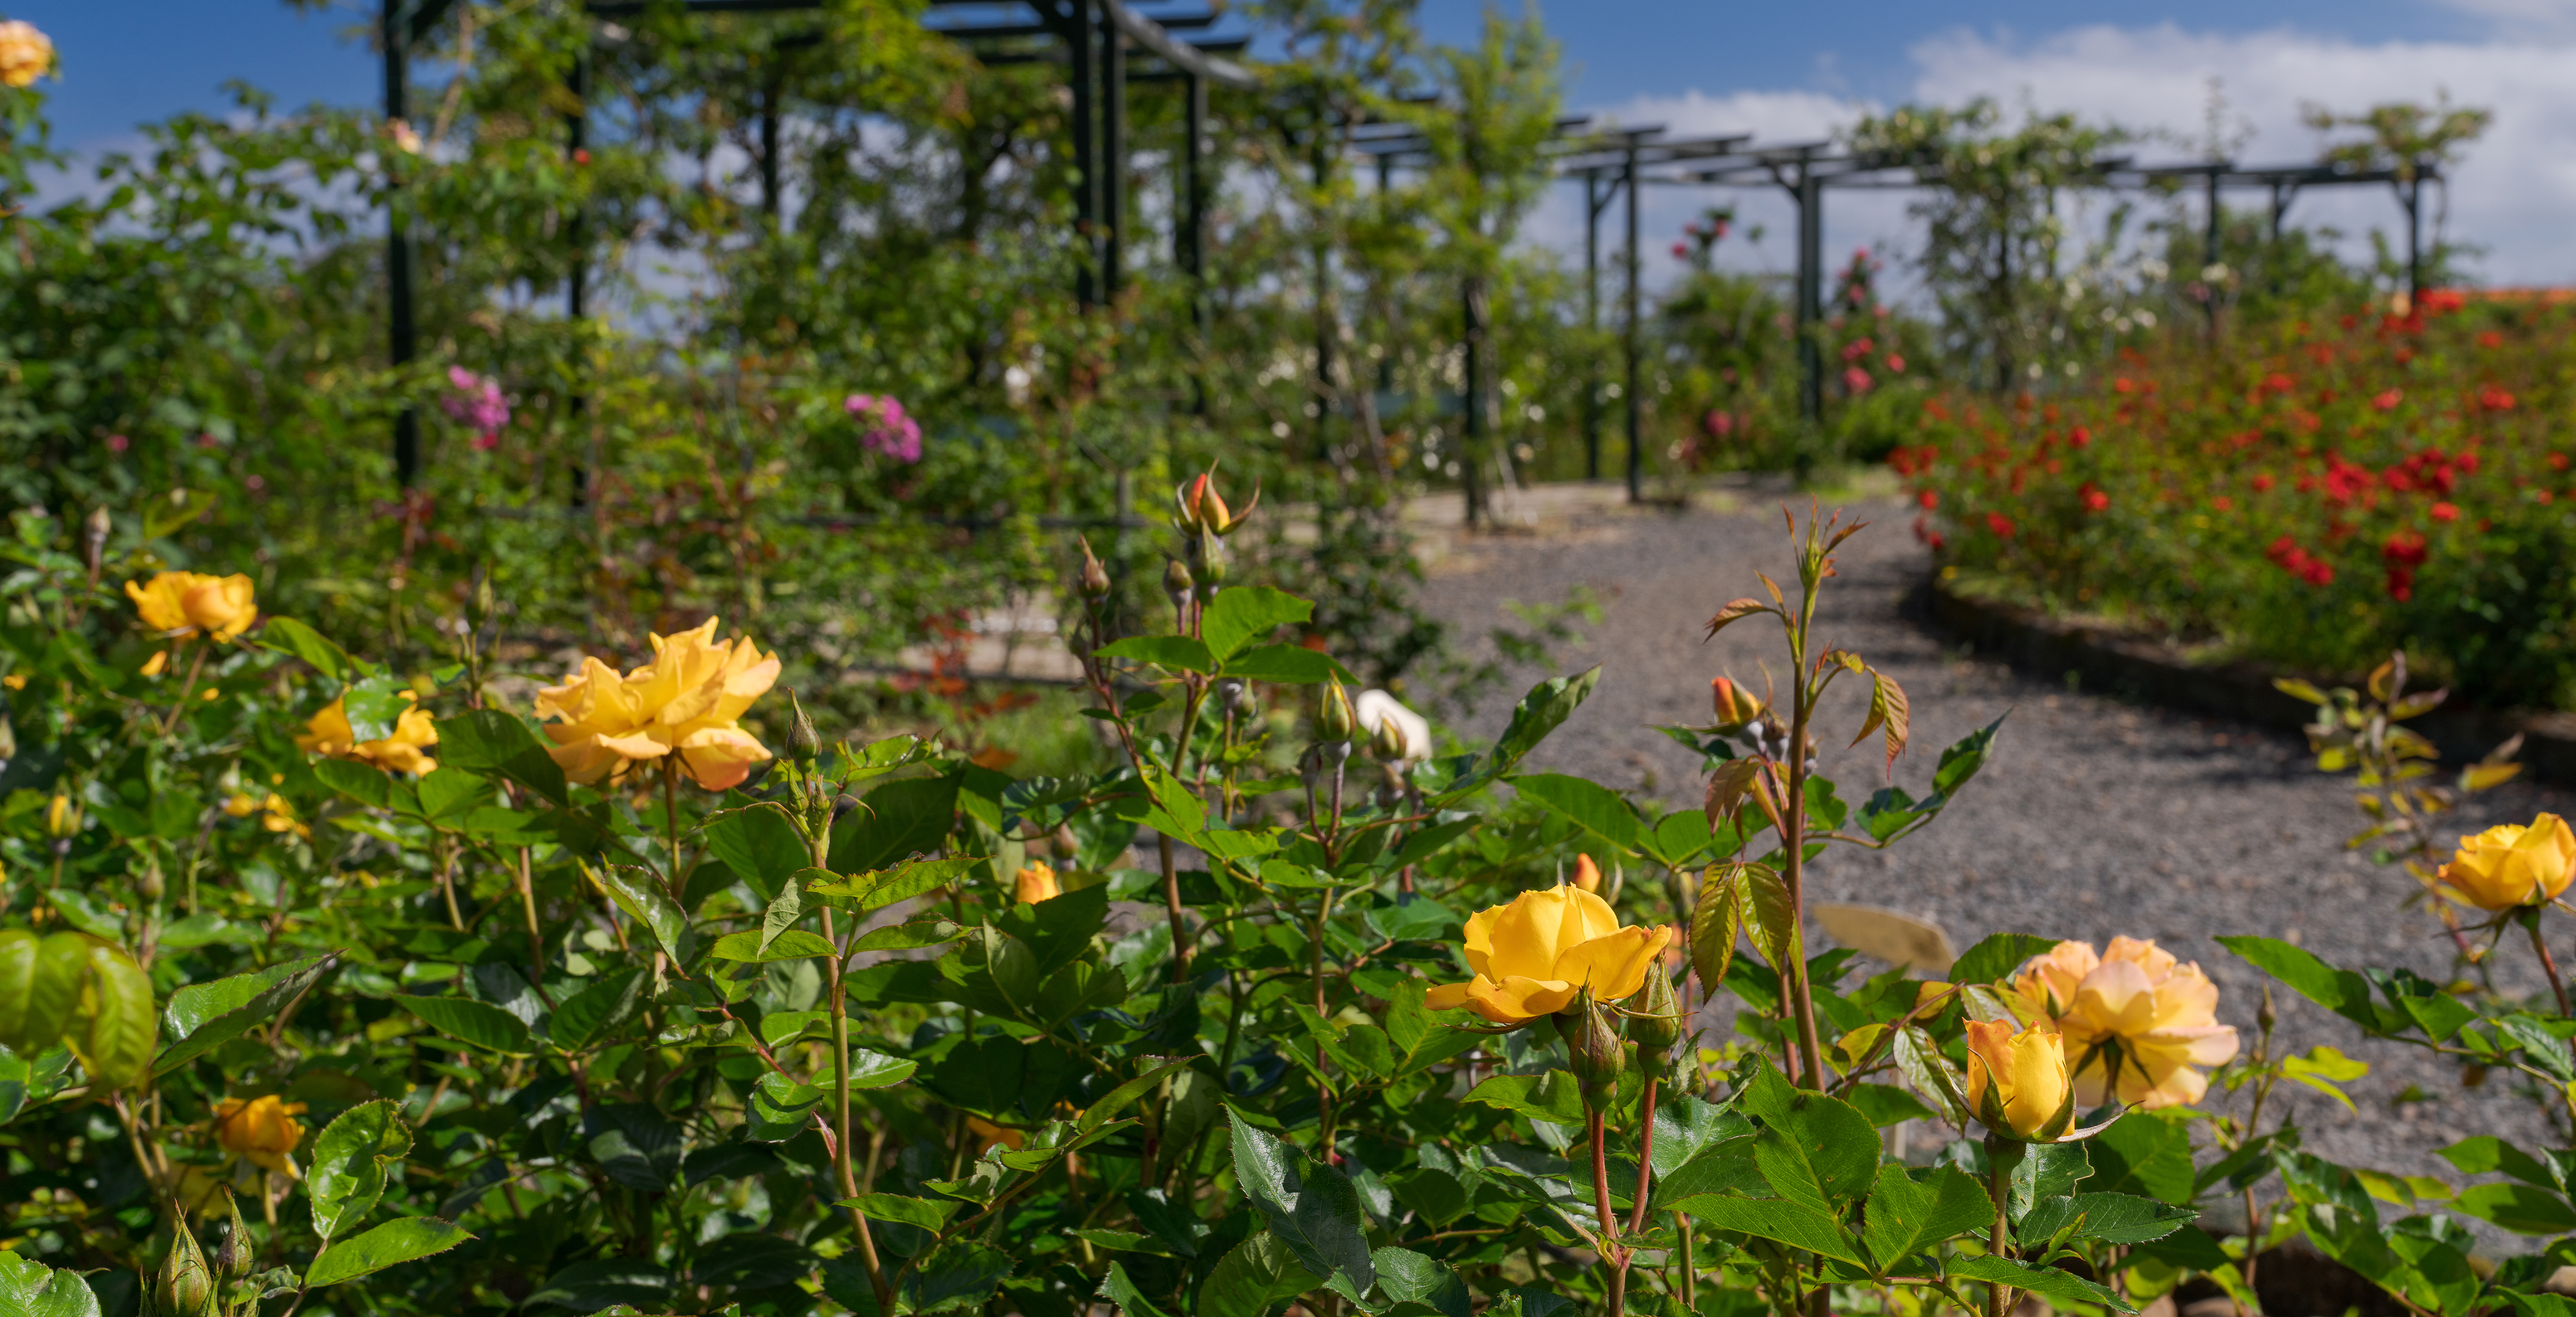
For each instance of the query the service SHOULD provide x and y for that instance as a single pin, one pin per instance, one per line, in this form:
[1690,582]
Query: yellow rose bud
[1532,956]
[2017,1082]
[2133,1010]
[1037,883]
[2512,865]
[61,820]
[1587,875]
[263,1129]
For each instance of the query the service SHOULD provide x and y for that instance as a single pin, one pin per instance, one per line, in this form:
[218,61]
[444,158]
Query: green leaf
[638,891]
[1962,760]
[1726,1167]
[2046,1282]
[1540,712]
[374,704]
[391,1244]
[29,1288]
[491,742]
[1820,1153]
[2486,1152]
[1598,809]
[795,944]
[1887,1105]
[1681,838]
[902,819]
[590,1014]
[350,1159]
[363,783]
[2339,990]
[2140,1154]
[285,635]
[929,1214]
[202,1015]
[1288,665]
[1245,613]
[1794,1224]
[1109,1104]
[2110,1218]
[1907,1215]
[2521,1208]
[1997,956]
[1554,1096]
[928,931]
[1123,1294]
[879,888]
[467,1020]
[1312,1209]
[1253,1278]
[2046,1170]
[1179,653]
[760,845]
[449,792]
[1405,1276]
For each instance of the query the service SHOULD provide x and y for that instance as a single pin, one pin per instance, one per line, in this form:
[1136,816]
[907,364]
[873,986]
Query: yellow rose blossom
[2017,1082]
[687,700]
[2133,1009]
[263,1129]
[241,804]
[2511,865]
[1532,956]
[25,53]
[16,681]
[180,604]
[1037,883]
[157,664]
[329,733]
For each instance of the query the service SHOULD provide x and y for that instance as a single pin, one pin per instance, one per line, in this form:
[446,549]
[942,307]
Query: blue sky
[1780,70]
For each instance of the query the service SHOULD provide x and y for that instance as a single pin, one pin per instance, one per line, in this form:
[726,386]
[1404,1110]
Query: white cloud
[2512,193]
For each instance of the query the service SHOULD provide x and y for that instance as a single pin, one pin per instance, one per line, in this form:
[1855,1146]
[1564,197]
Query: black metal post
[769,153]
[1086,182]
[1635,399]
[1113,156]
[2209,244]
[1810,194]
[1471,456]
[1592,321]
[404,340]
[2414,197]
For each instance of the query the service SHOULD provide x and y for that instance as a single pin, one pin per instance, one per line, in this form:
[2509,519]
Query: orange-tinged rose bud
[1735,705]
[263,1129]
[2017,1082]
[2512,865]
[1533,956]
[1037,883]
[1587,875]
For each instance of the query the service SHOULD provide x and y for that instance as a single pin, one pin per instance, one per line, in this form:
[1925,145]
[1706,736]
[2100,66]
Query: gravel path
[2094,817]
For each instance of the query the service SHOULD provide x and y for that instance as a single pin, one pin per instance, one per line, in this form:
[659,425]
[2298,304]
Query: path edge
[2129,665]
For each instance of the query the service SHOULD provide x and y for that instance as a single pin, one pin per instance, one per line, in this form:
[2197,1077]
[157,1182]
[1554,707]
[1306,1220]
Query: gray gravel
[2094,818]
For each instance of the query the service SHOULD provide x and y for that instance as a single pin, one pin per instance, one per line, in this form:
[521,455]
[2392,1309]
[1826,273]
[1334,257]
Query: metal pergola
[1098,41]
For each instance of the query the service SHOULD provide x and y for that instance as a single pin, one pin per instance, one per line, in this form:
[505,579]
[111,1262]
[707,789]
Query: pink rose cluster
[478,404]
[883,426]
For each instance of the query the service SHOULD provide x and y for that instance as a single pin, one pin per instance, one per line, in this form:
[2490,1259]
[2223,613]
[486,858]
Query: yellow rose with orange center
[1037,882]
[2511,865]
[687,702]
[181,604]
[2137,1022]
[1533,955]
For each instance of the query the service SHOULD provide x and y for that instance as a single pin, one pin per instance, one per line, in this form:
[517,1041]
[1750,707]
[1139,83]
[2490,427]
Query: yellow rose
[2017,1083]
[329,733]
[181,604]
[25,54]
[1037,883]
[262,1129]
[687,700]
[2132,1009]
[2511,865]
[1533,955]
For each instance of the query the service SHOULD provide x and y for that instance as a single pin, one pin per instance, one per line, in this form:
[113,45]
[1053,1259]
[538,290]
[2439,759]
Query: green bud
[1333,718]
[1211,558]
[228,1242]
[1094,584]
[803,745]
[184,1286]
[1177,580]
[1656,1022]
[1595,1053]
[1386,740]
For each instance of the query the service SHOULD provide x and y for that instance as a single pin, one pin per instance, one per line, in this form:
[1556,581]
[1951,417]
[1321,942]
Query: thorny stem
[1645,1157]
[1999,1241]
[2548,963]
[1612,1255]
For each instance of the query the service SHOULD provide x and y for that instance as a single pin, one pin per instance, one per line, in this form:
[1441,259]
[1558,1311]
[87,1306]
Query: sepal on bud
[1595,1053]
[1334,720]
[1094,583]
[804,745]
[1655,1023]
[185,1286]
[1202,510]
